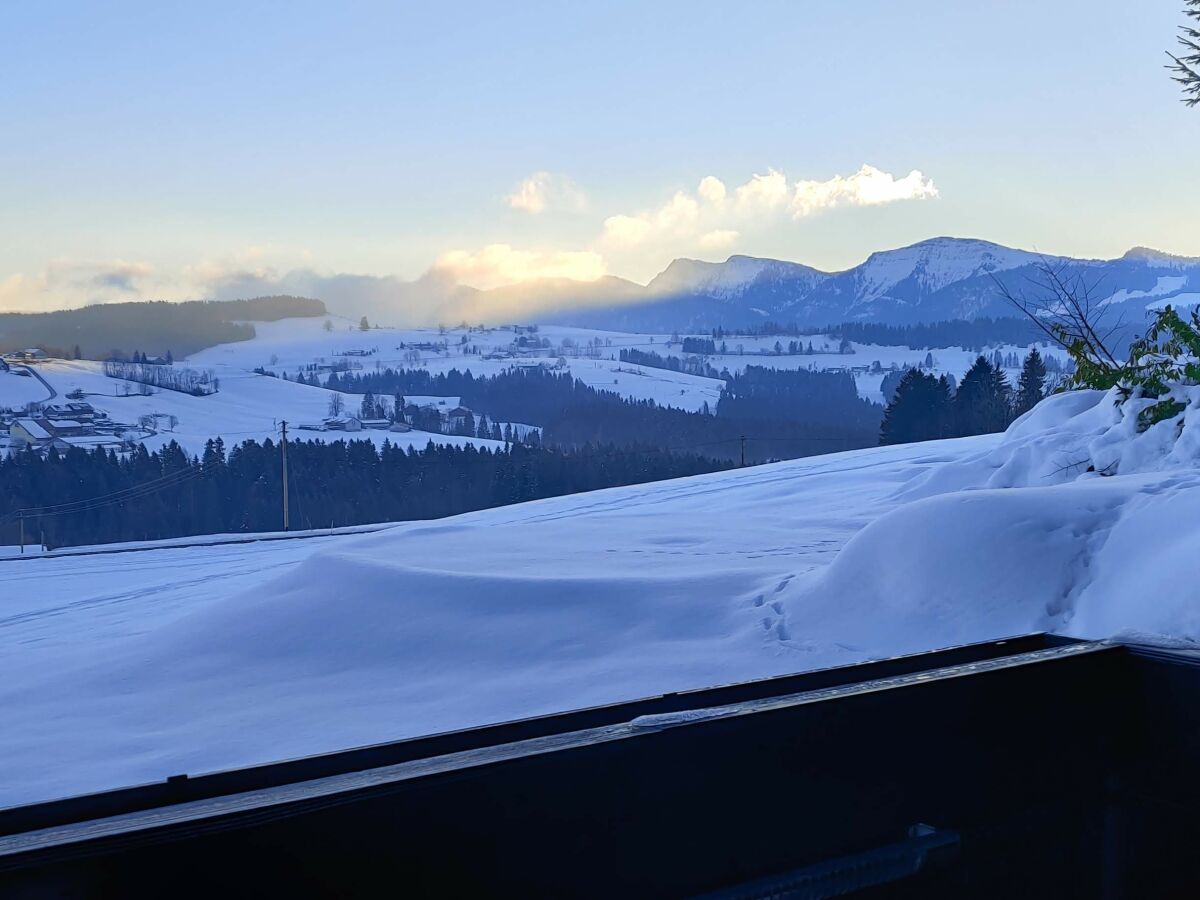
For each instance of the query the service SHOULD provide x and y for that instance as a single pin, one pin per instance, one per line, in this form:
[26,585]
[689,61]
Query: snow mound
[1074,522]
[1079,435]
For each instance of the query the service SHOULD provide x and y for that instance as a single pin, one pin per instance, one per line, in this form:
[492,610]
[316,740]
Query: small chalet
[29,433]
[458,416]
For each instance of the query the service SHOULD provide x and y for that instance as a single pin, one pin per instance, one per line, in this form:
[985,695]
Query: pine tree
[1186,68]
[1032,385]
[918,411]
[982,404]
[363,324]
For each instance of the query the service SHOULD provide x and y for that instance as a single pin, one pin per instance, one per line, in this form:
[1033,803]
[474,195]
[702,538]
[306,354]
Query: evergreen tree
[366,409]
[982,404]
[1031,387]
[1186,67]
[919,410]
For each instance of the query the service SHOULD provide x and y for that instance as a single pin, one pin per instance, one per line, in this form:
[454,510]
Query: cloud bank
[712,219]
[714,216]
[500,264]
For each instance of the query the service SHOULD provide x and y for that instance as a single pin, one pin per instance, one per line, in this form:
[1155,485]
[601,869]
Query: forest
[115,330]
[783,414]
[926,408]
[164,494]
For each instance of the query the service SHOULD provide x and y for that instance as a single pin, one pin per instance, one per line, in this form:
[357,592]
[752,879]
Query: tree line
[113,330]
[330,484]
[787,413]
[926,408]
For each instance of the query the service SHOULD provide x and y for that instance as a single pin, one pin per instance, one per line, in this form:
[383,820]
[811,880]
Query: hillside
[189,660]
[155,327]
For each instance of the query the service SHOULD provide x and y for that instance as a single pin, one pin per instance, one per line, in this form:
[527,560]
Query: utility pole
[21,519]
[283,448]
[743,451]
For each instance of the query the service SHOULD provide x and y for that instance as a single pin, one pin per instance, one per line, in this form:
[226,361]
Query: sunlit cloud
[715,216]
[678,216]
[501,264]
[762,193]
[547,192]
[866,187]
[712,190]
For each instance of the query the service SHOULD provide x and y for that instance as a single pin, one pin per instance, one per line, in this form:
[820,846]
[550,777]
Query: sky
[176,151]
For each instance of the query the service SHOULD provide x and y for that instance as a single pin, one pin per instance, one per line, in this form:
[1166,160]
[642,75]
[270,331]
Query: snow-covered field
[247,407]
[292,343]
[130,667]
[252,406]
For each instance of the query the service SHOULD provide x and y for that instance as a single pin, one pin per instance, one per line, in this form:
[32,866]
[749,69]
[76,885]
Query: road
[38,375]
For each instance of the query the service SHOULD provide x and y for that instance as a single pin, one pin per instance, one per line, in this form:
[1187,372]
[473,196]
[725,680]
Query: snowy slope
[247,407]
[117,670]
[121,668]
[289,344]
[727,280]
[934,264]
[293,343]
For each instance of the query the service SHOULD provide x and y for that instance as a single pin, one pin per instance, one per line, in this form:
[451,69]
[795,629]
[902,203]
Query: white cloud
[547,192]
[712,190]
[718,239]
[627,229]
[866,187]
[762,192]
[714,216]
[676,217]
[500,264]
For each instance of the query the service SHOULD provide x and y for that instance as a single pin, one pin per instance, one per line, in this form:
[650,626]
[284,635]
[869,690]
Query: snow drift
[1072,521]
[1098,541]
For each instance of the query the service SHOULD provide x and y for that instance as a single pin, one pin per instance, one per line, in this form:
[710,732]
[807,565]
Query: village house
[343,423]
[28,433]
[458,417]
[66,428]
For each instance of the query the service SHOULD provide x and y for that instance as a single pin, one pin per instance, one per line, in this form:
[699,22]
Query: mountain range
[935,280]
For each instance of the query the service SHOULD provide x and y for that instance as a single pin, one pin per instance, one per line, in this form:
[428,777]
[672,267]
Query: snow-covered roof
[33,428]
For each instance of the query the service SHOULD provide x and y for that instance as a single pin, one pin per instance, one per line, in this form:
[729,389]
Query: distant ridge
[938,279]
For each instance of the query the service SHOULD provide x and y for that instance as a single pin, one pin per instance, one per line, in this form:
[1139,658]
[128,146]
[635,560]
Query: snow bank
[557,604]
[1076,436]
[171,662]
[1075,522]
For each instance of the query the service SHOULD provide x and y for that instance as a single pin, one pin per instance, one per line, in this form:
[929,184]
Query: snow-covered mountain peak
[724,279]
[1159,257]
[936,263]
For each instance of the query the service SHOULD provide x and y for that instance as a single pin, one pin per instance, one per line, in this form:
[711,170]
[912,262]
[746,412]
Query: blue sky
[157,150]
